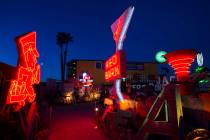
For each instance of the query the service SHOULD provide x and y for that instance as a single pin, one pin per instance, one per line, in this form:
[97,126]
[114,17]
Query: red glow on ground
[75,122]
[181,61]
[28,71]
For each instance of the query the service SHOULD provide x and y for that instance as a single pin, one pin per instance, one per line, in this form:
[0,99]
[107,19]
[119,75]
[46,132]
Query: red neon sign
[28,71]
[181,61]
[115,66]
[120,26]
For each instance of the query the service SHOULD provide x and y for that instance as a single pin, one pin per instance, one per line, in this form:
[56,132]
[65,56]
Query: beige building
[136,71]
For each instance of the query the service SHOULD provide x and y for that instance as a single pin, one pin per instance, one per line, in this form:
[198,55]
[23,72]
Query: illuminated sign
[86,79]
[199,69]
[164,116]
[160,56]
[181,61]
[200,59]
[115,66]
[28,71]
[120,26]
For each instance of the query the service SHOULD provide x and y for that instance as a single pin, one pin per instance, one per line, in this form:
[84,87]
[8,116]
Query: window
[139,77]
[98,65]
[135,66]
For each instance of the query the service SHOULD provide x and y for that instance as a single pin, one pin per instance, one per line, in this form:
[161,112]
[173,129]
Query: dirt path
[75,122]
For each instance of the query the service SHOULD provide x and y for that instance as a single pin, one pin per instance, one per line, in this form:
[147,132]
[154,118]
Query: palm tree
[69,39]
[63,39]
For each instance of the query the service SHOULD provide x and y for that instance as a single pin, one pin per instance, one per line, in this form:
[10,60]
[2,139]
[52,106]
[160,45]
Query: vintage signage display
[115,66]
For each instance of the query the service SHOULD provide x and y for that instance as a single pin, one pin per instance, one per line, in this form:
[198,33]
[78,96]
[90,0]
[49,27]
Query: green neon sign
[160,56]
[199,69]
[203,81]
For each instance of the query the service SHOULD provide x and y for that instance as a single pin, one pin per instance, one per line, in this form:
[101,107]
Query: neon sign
[86,79]
[120,26]
[115,66]
[28,71]
[160,56]
[181,61]
[200,59]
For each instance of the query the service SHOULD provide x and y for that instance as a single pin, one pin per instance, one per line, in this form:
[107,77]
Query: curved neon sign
[181,61]
[160,56]
[28,71]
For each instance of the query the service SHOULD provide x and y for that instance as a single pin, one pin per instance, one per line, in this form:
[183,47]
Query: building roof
[7,71]
[130,62]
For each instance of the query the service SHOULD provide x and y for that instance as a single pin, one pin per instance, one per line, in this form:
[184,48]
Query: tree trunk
[65,59]
[61,59]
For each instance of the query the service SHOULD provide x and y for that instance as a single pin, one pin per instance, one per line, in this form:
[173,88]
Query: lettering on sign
[115,66]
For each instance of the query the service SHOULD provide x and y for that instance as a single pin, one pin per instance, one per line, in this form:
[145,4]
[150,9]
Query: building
[136,71]
[142,72]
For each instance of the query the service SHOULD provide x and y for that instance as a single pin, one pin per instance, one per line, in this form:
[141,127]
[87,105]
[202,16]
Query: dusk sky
[156,25]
